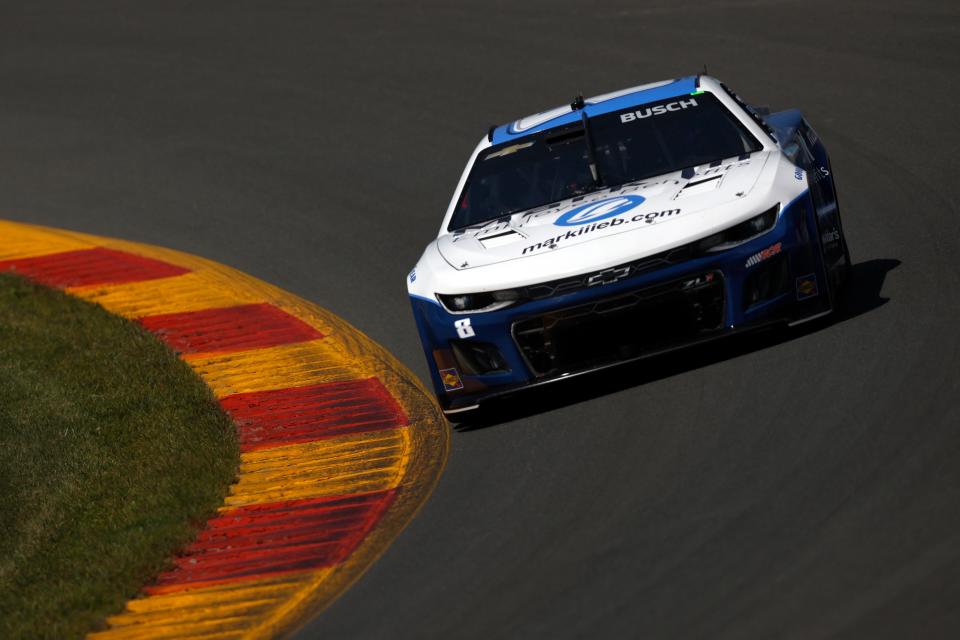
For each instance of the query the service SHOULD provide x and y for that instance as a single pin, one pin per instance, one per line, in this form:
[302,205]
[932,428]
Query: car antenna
[579,104]
[696,82]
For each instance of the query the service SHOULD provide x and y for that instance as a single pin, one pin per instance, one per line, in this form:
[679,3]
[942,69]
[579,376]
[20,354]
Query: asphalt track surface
[803,485]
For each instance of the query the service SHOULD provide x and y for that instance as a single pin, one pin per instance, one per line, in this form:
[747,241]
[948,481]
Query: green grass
[112,454]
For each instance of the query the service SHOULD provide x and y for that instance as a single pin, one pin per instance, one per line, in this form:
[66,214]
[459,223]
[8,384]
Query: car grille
[621,328]
[617,273]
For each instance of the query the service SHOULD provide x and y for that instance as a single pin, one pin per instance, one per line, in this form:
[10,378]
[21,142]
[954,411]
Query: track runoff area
[339,443]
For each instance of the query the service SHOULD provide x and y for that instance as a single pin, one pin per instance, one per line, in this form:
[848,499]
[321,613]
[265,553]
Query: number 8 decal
[464,330]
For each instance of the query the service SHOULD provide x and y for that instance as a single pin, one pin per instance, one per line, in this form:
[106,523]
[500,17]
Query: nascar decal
[766,254]
[806,286]
[650,217]
[451,380]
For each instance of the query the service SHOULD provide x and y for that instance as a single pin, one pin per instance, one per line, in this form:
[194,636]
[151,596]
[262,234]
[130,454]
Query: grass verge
[112,453]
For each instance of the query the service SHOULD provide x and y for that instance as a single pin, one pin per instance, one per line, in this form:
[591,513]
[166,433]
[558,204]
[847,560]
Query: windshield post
[591,151]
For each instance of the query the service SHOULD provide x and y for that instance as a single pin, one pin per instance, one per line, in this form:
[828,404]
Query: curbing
[340,443]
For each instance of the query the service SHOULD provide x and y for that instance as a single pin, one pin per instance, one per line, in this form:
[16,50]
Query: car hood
[635,209]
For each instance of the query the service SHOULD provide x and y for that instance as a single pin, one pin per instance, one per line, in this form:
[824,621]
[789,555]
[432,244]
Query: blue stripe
[680,87]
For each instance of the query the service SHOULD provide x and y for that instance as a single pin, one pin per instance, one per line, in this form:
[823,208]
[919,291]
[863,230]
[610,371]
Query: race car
[622,226]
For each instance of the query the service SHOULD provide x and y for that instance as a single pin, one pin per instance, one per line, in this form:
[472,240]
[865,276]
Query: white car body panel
[532,246]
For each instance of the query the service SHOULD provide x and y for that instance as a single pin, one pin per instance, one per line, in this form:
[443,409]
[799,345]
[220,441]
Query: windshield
[632,144]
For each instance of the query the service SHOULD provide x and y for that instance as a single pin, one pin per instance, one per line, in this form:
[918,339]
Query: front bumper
[669,303]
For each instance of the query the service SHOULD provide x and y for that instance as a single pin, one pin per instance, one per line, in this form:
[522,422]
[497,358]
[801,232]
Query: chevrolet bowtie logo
[608,276]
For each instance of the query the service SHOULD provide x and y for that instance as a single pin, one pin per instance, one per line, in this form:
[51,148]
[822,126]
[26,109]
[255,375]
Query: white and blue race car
[623,226]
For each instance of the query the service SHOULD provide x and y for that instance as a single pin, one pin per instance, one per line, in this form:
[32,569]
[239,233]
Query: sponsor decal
[806,286]
[658,110]
[798,173]
[819,174]
[464,330]
[766,254]
[608,276]
[508,150]
[451,379]
[598,210]
[830,237]
[413,275]
[697,282]
[650,217]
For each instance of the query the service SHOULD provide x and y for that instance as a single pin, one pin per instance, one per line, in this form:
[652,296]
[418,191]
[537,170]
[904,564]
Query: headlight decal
[478,302]
[742,232]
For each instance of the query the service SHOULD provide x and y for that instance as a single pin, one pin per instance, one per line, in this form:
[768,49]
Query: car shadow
[862,295]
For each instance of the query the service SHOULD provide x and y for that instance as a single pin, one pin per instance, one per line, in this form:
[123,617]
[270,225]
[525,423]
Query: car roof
[594,106]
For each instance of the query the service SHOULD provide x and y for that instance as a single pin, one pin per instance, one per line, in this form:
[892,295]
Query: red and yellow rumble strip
[340,444]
